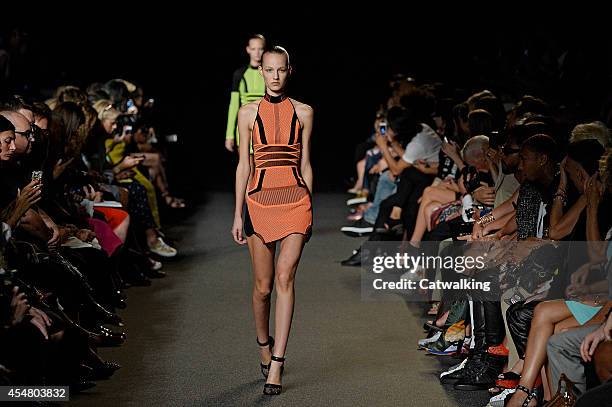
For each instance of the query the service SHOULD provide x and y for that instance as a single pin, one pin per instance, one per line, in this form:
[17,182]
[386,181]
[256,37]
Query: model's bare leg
[545,316]
[262,257]
[286,267]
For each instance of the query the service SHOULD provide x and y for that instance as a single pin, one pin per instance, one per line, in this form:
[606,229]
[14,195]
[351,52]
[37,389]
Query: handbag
[565,397]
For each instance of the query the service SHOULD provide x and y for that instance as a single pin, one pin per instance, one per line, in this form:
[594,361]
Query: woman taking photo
[276,182]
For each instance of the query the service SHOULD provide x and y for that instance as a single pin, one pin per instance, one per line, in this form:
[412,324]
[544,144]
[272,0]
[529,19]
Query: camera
[125,120]
[37,175]
[472,179]
[382,127]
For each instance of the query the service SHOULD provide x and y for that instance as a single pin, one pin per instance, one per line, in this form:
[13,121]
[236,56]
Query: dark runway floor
[191,337]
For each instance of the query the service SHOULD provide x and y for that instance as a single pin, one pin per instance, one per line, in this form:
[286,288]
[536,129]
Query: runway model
[276,181]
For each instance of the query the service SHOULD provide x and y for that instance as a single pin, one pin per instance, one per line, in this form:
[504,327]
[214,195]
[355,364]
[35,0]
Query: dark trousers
[410,187]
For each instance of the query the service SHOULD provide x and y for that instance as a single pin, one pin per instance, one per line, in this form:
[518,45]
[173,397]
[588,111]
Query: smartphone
[382,127]
[127,129]
[130,104]
[37,175]
[172,138]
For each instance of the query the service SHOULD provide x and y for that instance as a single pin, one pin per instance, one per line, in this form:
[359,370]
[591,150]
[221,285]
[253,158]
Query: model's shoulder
[302,108]
[249,108]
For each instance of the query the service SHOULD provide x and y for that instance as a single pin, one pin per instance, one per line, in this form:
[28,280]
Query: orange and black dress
[278,200]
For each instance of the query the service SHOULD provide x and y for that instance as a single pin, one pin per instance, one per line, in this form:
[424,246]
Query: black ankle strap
[270,339]
[277,358]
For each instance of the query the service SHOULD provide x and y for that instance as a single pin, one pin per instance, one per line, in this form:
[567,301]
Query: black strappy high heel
[531,394]
[274,389]
[266,368]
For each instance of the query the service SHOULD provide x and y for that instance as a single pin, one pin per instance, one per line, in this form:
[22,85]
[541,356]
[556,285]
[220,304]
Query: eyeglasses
[29,134]
[508,151]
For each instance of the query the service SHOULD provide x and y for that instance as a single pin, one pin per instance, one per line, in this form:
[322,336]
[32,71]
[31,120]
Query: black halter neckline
[275,99]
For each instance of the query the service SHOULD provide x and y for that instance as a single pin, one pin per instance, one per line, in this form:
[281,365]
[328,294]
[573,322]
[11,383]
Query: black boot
[476,356]
[483,377]
[492,365]
[463,369]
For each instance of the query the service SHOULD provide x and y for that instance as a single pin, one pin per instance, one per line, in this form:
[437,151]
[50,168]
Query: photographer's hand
[36,313]
[26,198]
[40,324]
[130,162]
[55,238]
[590,342]
[484,194]
[19,306]
[59,167]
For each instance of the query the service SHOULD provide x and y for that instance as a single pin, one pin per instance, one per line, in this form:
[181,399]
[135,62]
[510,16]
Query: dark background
[185,58]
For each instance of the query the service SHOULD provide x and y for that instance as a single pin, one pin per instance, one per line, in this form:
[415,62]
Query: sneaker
[358,228]
[442,347]
[162,249]
[424,342]
[356,201]
[463,369]
[498,400]
[453,369]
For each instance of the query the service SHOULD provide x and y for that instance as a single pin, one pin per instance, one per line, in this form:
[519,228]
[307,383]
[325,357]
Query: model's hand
[229,145]
[237,231]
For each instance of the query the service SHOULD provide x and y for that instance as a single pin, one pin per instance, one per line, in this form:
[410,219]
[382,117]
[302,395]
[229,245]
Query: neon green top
[248,86]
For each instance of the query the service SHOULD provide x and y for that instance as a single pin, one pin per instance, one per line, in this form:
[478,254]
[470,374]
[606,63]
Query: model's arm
[243,170]
[232,113]
[234,106]
[305,115]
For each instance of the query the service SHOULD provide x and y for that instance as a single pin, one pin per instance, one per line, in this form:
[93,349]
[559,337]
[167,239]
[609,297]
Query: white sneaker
[424,342]
[356,201]
[162,249]
[498,401]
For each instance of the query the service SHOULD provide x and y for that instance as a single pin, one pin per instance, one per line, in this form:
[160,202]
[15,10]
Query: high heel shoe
[266,368]
[271,389]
